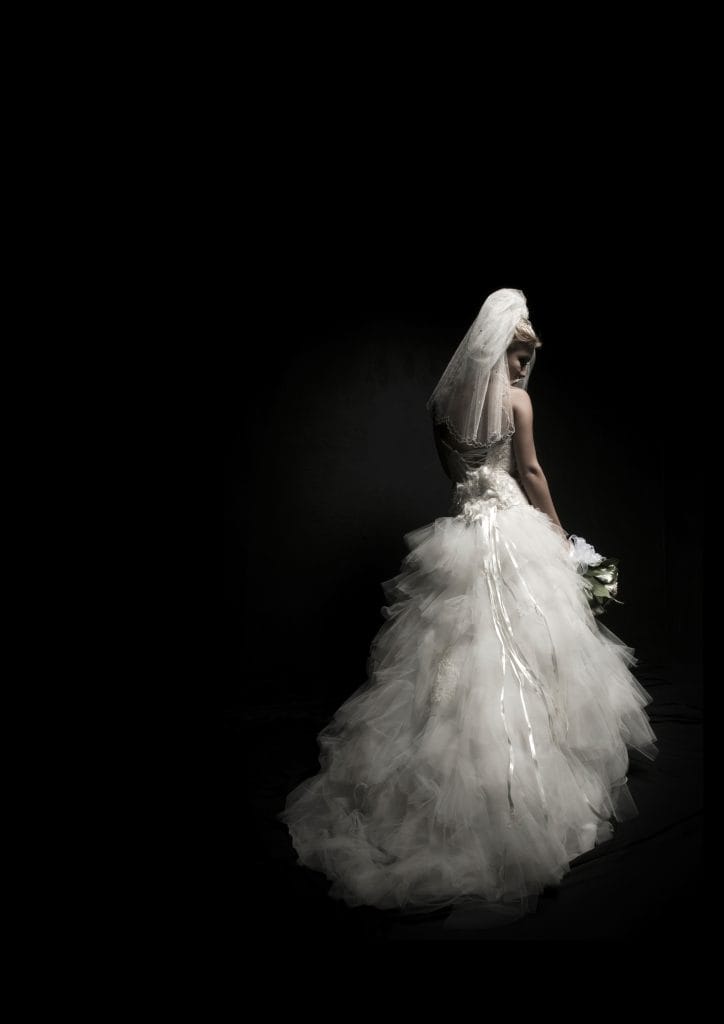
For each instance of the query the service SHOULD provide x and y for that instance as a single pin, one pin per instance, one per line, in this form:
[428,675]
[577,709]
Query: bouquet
[600,574]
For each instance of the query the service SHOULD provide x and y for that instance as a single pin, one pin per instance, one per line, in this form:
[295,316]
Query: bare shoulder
[520,399]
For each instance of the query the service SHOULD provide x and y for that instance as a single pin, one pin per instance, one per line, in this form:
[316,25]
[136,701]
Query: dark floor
[646,882]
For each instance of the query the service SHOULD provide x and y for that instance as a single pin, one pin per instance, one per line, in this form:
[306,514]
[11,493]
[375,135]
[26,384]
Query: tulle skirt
[488,747]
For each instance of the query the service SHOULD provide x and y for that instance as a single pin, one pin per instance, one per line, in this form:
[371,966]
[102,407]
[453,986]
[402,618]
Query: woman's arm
[530,472]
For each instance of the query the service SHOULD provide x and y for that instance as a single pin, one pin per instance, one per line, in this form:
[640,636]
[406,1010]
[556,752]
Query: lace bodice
[480,476]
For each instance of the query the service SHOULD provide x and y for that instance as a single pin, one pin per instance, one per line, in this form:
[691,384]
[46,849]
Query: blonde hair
[525,335]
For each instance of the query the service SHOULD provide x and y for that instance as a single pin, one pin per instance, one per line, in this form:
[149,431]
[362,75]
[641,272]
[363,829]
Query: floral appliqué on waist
[485,486]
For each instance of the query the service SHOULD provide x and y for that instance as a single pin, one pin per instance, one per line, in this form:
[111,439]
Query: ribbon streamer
[509,645]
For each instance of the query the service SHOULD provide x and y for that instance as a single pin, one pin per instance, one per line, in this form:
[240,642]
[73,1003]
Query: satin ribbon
[561,715]
[510,649]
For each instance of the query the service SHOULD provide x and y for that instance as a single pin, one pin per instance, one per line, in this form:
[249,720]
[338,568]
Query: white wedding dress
[488,747]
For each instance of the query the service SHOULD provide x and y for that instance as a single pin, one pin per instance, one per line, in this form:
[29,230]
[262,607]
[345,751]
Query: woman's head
[520,351]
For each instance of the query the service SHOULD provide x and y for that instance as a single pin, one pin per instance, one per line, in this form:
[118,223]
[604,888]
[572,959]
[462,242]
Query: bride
[488,747]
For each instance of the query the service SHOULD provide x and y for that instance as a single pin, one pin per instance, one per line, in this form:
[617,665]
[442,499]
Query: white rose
[583,553]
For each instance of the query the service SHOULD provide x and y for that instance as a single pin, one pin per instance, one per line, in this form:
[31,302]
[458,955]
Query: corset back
[480,475]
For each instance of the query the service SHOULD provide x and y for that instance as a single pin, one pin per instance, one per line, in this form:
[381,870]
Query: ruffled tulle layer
[488,747]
